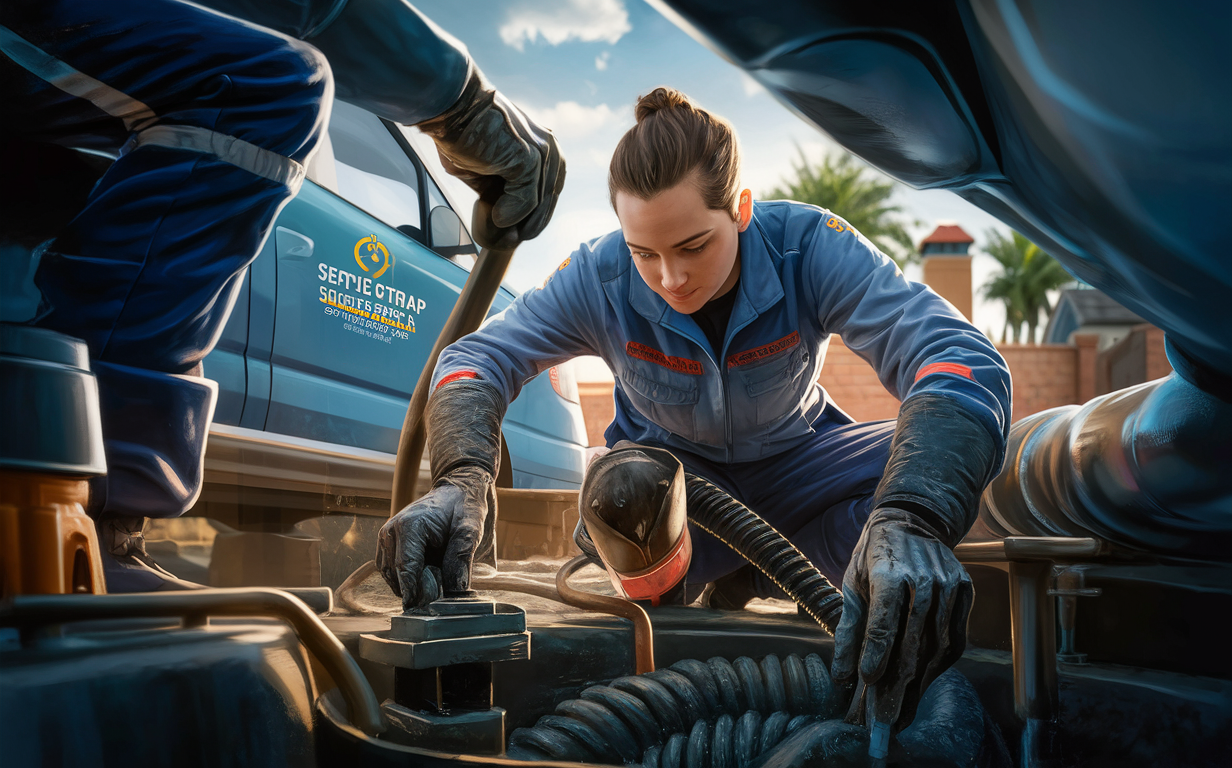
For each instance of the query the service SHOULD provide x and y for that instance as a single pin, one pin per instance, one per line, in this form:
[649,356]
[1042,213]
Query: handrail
[1029,548]
[195,605]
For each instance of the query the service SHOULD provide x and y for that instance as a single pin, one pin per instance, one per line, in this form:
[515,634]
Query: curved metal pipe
[643,639]
[467,315]
[194,606]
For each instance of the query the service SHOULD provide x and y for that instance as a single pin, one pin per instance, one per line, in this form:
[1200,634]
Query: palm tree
[840,185]
[1027,275]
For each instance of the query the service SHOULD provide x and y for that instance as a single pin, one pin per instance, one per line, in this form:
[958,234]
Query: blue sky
[578,66]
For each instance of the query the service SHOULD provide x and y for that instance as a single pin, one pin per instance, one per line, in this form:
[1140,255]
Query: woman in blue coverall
[714,314]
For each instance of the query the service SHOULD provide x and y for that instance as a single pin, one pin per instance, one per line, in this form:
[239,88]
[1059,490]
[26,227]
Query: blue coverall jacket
[751,416]
[805,274]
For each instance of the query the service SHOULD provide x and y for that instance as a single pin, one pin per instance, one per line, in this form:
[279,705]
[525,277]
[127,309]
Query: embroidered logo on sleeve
[563,264]
[838,225]
[764,351]
[955,368]
[680,364]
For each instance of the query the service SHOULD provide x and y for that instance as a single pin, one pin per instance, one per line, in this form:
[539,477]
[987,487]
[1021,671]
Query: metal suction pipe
[467,315]
[1145,468]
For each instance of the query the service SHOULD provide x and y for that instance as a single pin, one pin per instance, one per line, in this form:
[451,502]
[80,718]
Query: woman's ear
[744,213]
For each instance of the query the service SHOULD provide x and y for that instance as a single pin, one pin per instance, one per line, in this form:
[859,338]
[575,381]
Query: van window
[373,172]
[452,190]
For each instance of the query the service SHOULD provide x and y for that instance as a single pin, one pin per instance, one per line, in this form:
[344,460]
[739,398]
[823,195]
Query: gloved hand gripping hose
[742,529]
[456,520]
[907,596]
[512,162]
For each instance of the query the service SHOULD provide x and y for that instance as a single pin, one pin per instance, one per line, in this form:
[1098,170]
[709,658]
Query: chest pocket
[671,406]
[774,388]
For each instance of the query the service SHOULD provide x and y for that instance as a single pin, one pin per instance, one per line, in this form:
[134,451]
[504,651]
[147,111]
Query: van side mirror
[447,235]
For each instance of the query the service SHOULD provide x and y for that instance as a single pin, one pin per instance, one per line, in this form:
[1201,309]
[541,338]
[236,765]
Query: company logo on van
[369,249]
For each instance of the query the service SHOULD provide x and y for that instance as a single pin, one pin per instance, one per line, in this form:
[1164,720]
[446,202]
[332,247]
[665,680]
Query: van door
[360,299]
[225,363]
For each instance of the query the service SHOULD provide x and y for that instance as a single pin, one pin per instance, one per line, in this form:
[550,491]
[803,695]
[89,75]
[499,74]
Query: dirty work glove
[455,521]
[512,162]
[906,597]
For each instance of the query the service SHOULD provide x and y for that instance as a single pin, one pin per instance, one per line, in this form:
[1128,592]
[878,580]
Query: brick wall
[853,386]
[1045,376]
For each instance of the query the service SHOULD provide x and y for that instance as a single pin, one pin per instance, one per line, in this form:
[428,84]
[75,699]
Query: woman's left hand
[906,603]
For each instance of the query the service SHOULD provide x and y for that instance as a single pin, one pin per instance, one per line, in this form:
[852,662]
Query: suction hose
[713,510]
[751,714]
[695,713]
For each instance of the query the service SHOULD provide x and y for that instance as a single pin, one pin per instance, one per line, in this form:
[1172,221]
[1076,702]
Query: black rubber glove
[513,163]
[906,597]
[456,521]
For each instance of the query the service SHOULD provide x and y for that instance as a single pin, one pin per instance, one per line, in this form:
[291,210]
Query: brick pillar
[1088,346]
[1157,365]
[598,408]
[950,277]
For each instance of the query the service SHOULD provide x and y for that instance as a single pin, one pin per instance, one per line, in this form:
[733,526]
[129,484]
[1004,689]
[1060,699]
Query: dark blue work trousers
[213,120]
[818,495]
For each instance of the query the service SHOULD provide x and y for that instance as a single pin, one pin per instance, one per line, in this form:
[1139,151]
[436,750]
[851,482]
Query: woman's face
[687,253]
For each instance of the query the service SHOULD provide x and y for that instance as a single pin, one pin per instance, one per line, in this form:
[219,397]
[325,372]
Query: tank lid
[42,344]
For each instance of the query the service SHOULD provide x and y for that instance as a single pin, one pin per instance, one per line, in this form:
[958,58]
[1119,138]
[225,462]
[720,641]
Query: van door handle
[290,244]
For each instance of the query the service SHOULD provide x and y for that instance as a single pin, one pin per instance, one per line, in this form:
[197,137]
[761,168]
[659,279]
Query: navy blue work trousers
[213,120]
[818,495]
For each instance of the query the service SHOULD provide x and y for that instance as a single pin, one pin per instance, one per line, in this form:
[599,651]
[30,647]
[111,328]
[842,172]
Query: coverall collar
[758,289]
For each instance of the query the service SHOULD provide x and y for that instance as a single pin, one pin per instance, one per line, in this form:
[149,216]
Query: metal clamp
[1070,584]
[442,661]
[1031,560]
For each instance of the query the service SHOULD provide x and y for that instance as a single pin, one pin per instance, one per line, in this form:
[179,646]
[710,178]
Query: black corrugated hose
[694,714]
[713,510]
[750,714]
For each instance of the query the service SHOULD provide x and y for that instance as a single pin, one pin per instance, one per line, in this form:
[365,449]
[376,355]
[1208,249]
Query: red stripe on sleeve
[954,368]
[456,375]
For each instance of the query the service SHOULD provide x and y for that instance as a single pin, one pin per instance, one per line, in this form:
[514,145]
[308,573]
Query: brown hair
[672,139]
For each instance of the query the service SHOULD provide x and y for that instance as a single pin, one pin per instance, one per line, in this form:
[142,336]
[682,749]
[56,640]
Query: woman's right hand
[444,528]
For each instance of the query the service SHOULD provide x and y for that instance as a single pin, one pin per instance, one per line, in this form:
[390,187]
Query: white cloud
[601,60]
[560,20]
[570,120]
[751,86]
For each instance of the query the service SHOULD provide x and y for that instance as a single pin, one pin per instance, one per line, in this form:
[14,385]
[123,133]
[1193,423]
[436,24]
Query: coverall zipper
[729,449]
